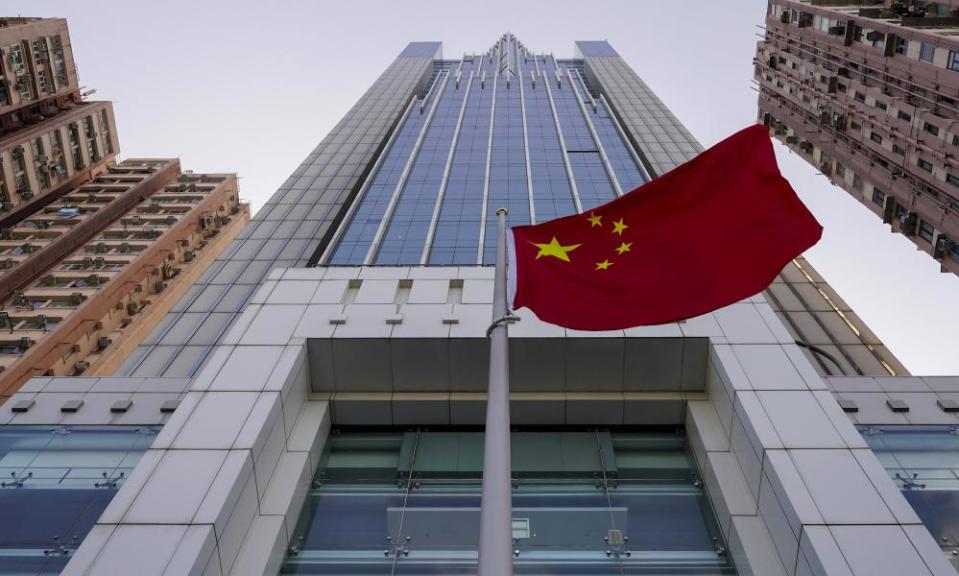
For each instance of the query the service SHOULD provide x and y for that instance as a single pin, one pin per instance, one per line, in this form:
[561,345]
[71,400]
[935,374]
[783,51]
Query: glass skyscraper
[315,403]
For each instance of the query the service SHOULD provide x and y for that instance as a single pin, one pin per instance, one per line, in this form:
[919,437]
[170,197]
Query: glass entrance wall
[583,503]
[924,462]
[55,482]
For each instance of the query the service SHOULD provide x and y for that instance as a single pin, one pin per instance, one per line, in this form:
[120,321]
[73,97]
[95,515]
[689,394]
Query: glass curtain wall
[584,502]
[924,462]
[525,141]
[54,484]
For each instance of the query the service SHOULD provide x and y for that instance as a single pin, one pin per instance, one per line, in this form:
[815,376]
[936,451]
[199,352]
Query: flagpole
[496,507]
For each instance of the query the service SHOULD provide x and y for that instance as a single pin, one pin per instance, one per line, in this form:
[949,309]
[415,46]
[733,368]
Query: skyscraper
[93,252]
[868,93]
[315,402]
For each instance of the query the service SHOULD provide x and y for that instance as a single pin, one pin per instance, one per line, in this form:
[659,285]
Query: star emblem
[604,265]
[624,247]
[619,227]
[594,220]
[555,249]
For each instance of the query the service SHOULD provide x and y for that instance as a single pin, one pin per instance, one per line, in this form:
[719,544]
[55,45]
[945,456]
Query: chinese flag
[705,235]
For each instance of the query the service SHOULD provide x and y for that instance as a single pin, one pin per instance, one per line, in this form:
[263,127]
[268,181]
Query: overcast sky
[252,87]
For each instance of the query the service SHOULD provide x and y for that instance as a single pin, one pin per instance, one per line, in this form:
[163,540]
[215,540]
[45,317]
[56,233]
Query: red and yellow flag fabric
[709,233]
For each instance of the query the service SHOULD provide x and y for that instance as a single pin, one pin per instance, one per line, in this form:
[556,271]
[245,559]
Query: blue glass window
[924,462]
[526,170]
[54,484]
[408,503]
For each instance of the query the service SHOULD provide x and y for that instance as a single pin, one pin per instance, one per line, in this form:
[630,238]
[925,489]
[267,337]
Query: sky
[251,87]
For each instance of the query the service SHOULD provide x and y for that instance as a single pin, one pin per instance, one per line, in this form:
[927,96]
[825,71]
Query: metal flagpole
[496,507]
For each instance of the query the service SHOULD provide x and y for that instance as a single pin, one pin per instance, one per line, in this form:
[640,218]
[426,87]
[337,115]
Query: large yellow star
[604,265]
[594,220]
[624,247]
[619,227]
[555,249]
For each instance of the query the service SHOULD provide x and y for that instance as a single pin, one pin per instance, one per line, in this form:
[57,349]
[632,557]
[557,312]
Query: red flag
[705,235]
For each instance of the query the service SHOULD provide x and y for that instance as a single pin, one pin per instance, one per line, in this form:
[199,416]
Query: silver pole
[496,507]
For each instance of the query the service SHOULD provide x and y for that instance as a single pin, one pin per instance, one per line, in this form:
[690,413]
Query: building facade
[868,93]
[51,137]
[94,252]
[85,278]
[314,403]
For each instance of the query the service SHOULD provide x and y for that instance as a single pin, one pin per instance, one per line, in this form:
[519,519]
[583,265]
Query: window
[952,180]
[875,137]
[860,97]
[422,489]
[881,105]
[902,46]
[878,196]
[63,479]
[857,183]
[855,126]
[927,52]
[924,165]
[926,230]
[922,462]
[840,169]
[931,128]
[955,140]
[896,149]
[824,24]
[903,116]
[953,60]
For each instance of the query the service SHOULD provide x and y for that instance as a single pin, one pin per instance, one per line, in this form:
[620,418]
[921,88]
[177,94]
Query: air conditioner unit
[792,139]
[102,343]
[80,366]
[942,247]
[159,286]
[132,307]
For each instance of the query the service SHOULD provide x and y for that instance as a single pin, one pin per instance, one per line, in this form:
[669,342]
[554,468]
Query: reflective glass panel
[583,503]
[924,462]
[54,484]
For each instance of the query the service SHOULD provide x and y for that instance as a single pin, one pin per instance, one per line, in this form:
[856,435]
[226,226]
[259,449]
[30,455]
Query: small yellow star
[595,220]
[619,227]
[604,265]
[555,249]
[624,247]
